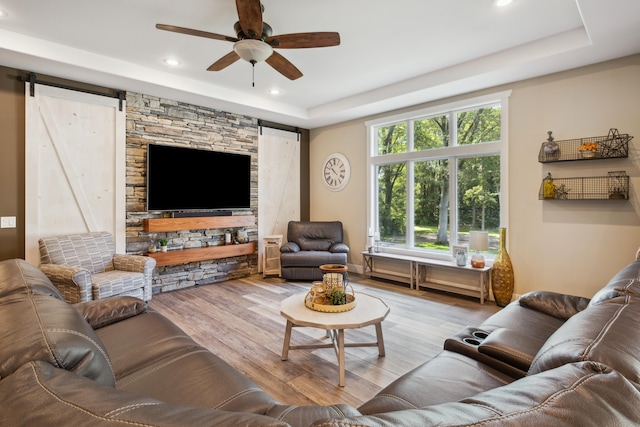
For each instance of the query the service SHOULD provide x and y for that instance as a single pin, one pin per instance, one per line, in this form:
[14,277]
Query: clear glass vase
[502,279]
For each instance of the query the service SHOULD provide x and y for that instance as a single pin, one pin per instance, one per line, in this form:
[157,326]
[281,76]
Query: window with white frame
[437,174]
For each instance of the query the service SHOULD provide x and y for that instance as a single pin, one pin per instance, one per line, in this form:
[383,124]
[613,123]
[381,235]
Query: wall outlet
[8,222]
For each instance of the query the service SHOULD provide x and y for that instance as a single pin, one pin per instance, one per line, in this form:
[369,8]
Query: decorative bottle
[549,189]
[502,273]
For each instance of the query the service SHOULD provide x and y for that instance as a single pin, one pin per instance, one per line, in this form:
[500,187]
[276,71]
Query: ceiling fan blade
[304,40]
[197,33]
[224,62]
[250,17]
[283,66]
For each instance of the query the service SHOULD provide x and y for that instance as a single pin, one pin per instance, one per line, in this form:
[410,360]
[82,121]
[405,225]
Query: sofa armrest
[74,283]
[511,347]
[554,304]
[290,247]
[133,263]
[339,248]
[103,312]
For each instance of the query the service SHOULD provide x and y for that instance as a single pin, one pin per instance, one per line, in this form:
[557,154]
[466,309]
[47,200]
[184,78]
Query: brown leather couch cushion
[511,347]
[154,357]
[525,320]
[554,304]
[18,276]
[581,394]
[606,333]
[38,394]
[102,312]
[36,325]
[447,377]
[625,284]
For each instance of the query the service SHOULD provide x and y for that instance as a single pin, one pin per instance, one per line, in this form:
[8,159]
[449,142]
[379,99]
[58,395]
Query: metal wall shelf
[614,186]
[614,145]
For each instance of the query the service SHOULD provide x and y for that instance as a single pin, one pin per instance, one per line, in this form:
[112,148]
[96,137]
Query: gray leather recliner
[309,245]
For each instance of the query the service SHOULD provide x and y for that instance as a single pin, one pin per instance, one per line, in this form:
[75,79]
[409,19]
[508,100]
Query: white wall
[565,246]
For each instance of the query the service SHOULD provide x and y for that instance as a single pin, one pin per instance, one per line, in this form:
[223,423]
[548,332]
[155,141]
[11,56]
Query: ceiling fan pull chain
[253,73]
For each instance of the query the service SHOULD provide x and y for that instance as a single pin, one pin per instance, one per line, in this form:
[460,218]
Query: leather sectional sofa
[545,360]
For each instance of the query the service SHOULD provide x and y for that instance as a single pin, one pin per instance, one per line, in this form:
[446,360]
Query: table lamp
[478,241]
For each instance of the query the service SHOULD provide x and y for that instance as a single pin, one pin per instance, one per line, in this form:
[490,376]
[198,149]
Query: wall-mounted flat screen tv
[188,179]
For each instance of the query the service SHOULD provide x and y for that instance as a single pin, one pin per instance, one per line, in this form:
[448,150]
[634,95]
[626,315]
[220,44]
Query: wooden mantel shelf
[183,256]
[158,225]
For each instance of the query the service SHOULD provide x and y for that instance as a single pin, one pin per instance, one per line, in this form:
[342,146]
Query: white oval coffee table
[369,310]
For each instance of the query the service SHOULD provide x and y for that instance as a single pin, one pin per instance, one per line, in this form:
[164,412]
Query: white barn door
[75,166]
[278,183]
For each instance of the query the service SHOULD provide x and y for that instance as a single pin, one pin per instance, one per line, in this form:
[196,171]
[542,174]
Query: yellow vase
[549,189]
[502,273]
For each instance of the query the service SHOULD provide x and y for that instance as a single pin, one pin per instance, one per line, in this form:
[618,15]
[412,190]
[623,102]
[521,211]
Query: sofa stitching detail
[169,362]
[58,363]
[338,411]
[587,351]
[286,412]
[45,338]
[97,345]
[519,355]
[155,368]
[571,388]
[77,407]
[334,423]
[237,395]
[552,347]
[397,398]
[579,383]
[153,344]
[119,411]
[597,340]
[481,369]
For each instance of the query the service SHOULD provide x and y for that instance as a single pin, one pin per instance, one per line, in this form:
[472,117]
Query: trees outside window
[437,176]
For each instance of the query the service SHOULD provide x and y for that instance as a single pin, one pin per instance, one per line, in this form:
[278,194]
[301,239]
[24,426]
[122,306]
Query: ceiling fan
[255,43]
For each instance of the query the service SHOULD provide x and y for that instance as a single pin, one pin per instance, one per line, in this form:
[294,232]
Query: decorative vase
[551,148]
[502,273]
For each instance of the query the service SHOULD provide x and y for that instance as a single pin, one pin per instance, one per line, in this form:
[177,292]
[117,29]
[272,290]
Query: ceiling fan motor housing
[267,31]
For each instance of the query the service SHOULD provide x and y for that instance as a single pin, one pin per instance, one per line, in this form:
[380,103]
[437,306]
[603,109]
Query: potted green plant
[163,244]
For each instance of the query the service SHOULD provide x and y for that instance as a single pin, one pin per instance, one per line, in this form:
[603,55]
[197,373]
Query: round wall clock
[336,172]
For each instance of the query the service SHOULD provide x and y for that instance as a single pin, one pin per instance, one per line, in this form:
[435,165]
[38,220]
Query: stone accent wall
[157,120]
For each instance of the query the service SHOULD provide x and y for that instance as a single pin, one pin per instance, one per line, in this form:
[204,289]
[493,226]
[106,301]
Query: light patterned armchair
[85,267]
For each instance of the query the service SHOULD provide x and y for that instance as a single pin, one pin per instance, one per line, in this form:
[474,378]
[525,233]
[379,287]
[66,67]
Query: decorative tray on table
[320,298]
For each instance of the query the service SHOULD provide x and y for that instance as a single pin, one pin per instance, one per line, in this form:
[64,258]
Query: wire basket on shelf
[613,145]
[613,186]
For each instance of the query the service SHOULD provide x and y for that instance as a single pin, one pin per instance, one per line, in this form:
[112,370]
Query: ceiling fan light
[252,50]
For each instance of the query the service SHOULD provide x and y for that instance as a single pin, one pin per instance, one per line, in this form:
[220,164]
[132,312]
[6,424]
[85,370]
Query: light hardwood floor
[240,321]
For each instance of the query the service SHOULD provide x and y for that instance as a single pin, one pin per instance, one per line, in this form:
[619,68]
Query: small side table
[271,255]
[369,310]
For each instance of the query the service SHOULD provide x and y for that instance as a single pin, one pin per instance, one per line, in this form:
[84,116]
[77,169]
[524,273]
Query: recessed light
[502,2]
[3,13]
[274,91]
[171,61]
